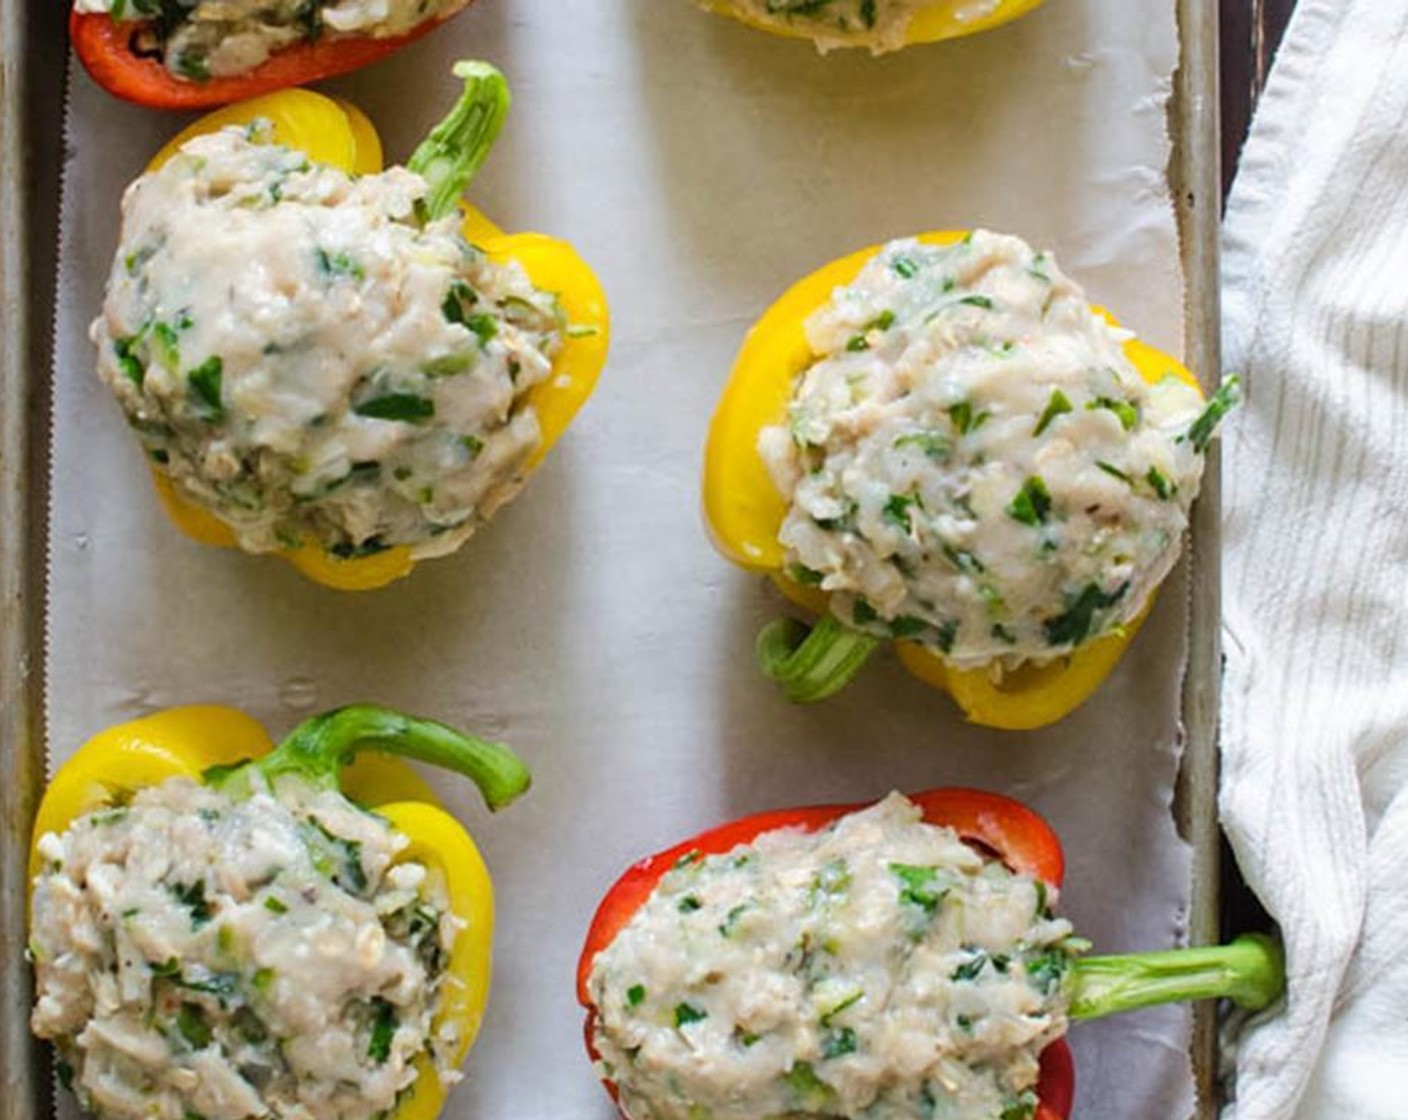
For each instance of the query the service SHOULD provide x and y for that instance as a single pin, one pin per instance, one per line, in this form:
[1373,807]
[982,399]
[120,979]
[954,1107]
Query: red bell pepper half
[1249,971]
[106,47]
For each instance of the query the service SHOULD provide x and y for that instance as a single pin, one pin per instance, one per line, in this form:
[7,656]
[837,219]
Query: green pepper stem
[810,666]
[1250,971]
[450,157]
[318,749]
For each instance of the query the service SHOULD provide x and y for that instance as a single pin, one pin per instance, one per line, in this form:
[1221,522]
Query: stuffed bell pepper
[346,367]
[901,961]
[195,54]
[223,928]
[880,25]
[941,442]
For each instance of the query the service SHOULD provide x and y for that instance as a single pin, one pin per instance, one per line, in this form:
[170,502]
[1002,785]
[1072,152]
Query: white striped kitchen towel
[1315,726]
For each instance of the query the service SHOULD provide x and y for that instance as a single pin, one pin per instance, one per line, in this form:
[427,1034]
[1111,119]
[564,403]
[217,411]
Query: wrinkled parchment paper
[700,167]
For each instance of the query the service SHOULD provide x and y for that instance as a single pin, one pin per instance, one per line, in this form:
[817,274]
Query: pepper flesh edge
[940,20]
[103,46]
[744,511]
[340,135]
[184,742]
[1020,837]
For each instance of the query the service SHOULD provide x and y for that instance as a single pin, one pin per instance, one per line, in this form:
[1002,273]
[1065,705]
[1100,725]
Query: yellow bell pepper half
[744,513]
[209,743]
[338,134]
[939,20]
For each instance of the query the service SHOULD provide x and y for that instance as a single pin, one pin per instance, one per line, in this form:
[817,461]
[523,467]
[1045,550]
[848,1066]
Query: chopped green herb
[833,879]
[857,343]
[917,886]
[907,626]
[635,995]
[689,904]
[460,296]
[263,978]
[839,1043]
[1160,484]
[205,381]
[897,511]
[964,419]
[1020,1108]
[166,346]
[169,967]
[484,327]
[1128,415]
[383,1029]
[946,635]
[191,1025]
[274,906]
[862,613]
[450,365]
[1114,472]
[850,1001]
[192,66]
[193,898]
[730,922]
[807,577]
[934,444]
[905,268]
[977,301]
[339,265]
[1201,431]
[1055,406]
[811,1092]
[964,1023]
[969,969]
[127,361]
[963,560]
[1075,624]
[1032,503]
[686,1013]
[694,855]
[1046,970]
[473,444]
[409,408]
[221,984]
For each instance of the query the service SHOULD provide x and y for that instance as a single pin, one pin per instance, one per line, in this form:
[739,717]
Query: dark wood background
[1251,31]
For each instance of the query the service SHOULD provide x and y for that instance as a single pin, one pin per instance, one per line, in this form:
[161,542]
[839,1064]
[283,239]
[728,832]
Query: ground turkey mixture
[202,39]
[972,462]
[308,360]
[198,956]
[879,968]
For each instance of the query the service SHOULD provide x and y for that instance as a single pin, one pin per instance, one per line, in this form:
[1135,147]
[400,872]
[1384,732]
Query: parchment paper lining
[701,168]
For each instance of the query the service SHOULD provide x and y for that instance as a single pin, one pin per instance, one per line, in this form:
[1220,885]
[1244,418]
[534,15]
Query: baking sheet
[701,168]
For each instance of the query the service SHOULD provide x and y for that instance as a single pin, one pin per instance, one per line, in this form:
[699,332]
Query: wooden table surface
[1251,31]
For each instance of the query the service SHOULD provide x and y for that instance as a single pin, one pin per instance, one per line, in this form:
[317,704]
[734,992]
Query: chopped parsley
[686,1013]
[383,1029]
[1032,504]
[934,444]
[1056,406]
[897,511]
[205,381]
[1127,414]
[964,419]
[1075,623]
[409,408]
